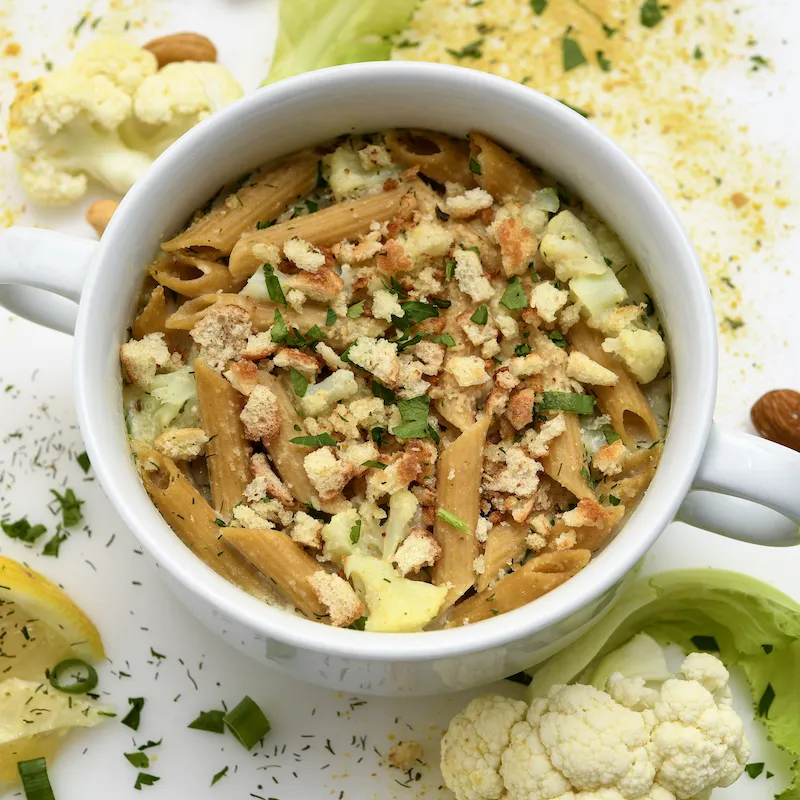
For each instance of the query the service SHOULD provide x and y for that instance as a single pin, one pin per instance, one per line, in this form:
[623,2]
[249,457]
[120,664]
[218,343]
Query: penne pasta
[532,580]
[153,317]
[265,199]
[187,315]
[629,485]
[459,495]
[195,522]
[191,276]
[631,415]
[439,156]
[500,174]
[228,451]
[284,562]
[565,460]
[322,228]
[591,537]
[505,547]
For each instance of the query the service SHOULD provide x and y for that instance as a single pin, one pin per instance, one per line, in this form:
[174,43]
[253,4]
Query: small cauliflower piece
[175,392]
[181,444]
[468,204]
[584,370]
[307,531]
[394,604]
[516,238]
[321,397]
[336,535]
[642,351]
[570,249]
[303,254]
[469,276]
[548,300]
[385,305]
[610,458]
[327,474]
[405,755]
[222,334]
[348,176]
[261,416]
[142,357]
[467,370]
[374,156]
[329,356]
[337,595]
[525,366]
[377,356]
[175,99]
[356,453]
[403,506]
[419,549]
[428,240]
[474,744]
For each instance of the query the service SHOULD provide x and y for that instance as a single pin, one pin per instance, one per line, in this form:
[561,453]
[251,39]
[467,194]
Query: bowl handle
[42,275]
[748,490]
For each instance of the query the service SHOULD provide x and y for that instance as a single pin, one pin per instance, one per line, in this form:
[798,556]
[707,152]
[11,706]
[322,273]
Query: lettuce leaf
[322,33]
[756,627]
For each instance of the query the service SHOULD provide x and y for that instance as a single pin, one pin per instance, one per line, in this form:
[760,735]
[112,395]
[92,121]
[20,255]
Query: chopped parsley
[299,382]
[321,440]
[514,295]
[355,532]
[414,312]
[611,435]
[698,53]
[209,721]
[70,507]
[219,776]
[143,779]
[414,413]
[356,310]
[471,50]
[615,501]
[572,54]
[481,315]
[359,624]
[331,318]
[758,62]
[538,6]
[441,215]
[522,349]
[265,224]
[650,14]
[384,392]
[274,289]
[754,770]
[83,461]
[453,520]
[53,545]
[444,338]
[311,206]
[138,760]
[280,333]
[23,530]
[604,63]
[558,339]
[134,715]
[475,167]
[449,266]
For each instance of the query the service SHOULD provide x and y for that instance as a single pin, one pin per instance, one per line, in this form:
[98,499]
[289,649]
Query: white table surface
[103,571]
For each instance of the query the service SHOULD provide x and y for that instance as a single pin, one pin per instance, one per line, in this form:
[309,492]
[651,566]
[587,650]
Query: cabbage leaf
[755,626]
[322,33]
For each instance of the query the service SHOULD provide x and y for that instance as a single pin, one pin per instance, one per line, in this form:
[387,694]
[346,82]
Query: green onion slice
[84,676]
[247,723]
[209,721]
[34,779]
[452,519]
[567,401]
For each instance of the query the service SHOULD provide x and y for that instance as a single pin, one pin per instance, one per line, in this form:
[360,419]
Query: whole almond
[182,47]
[99,214]
[776,416]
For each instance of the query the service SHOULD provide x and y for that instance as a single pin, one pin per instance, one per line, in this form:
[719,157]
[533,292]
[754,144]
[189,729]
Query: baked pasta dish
[396,382]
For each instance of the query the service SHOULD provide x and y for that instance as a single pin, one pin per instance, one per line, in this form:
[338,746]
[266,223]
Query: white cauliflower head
[175,99]
[117,59]
[475,743]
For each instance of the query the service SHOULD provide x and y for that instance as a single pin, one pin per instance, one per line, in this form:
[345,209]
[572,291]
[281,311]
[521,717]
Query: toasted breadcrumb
[611,458]
[583,369]
[259,345]
[468,204]
[467,370]
[303,254]
[419,549]
[249,518]
[588,512]
[374,156]
[272,484]
[287,357]
[261,415]
[222,334]
[267,253]
[307,531]
[181,444]
[377,356]
[398,475]
[243,376]
[329,356]
[469,276]
[338,596]
[537,443]
[141,358]
[327,474]
[519,475]
[385,305]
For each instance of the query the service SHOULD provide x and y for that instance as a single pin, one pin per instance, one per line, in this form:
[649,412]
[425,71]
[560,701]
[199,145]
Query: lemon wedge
[39,627]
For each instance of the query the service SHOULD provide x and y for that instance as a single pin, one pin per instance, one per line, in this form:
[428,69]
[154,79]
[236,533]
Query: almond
[776,416]
[99,214]
[182,47]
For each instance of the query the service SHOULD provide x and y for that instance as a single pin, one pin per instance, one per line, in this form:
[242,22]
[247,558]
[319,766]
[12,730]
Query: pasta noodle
[506,545]
[532,580]
[179,273]
[565,462]
[266,198]
[459,495]
[275,555]
[502,175]
[195,522]
[153,317]
[227,452]
[322,228]
[439,157]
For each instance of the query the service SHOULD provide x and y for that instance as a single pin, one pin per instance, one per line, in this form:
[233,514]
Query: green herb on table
[83,461]
[247,723]
[70,507]
[754,770]
[209,721]
[23,530]
[53,545]
[35,782]
[219,776]
[134,717]
[650,14]
[471,50]
[143,779]
[571,52]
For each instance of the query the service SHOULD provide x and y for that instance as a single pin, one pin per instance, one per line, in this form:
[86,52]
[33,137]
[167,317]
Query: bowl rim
[604,571]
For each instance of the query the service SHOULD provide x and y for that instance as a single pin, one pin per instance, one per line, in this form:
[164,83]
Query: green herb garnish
[384,392]
[83,675]
[133,717]
[414,413]
[321,440]
[567,401]
[355,532]
[138,760]
[356,310]
[481,315]
[471,50]
[70,507]
[604,63]
[220,775]
[247,723]
[444,338]
[209,721]
[376,464]
[143,779]
[453,520]
[23,530]
[299,382]
[514,295]
[571,53]
[35,782]
[538,6]
[83,461]
[754,770]
[475,167]
[650,14]
[331,318]
[274,289]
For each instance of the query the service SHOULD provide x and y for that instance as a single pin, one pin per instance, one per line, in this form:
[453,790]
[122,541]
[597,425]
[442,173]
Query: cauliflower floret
[181,444]
[569,247]
[395,604]
[642,351]
[707,670]
[141,358]
[584,370]
[321,397]
[303,254]
[337,595]
[474,744]
[385,305]
[428,240]
[348,176]
[64,127]
[175,99]
[469,276]
[467,370]
[548,300]
[117,59]
[374,156]
[175,392]
[468,204]
[378,356]
[328,475]
[329,356]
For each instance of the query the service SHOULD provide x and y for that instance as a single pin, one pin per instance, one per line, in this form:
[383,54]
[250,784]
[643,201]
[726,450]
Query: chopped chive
[322,440]
[453,520]
[375,464]
[84,676]
[449,266]
[247,723]
[219,776]
[35,782]
[567,401]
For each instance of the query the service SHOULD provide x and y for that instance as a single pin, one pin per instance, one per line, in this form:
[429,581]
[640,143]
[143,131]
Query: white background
[120,588]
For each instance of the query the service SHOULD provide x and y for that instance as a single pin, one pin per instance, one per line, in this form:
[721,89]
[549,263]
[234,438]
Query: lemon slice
[33,719]
[39,627]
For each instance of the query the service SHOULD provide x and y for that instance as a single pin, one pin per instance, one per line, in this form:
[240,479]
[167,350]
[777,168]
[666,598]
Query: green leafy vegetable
[471,50]
[706,643]
[70,507]
[355,532]
[475,166]
[741,613]
[359,624]
[330,318]
[356,310]
[538,6]
[444,338]
[219,776]
[611,435]
[414,312]
[384,392]
[449,266]
[134,716]
[322,33]
[376,464]
[604,63]
[52,546]
[247,723]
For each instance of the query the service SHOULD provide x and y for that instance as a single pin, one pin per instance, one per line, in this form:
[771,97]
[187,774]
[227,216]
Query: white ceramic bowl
[104,278]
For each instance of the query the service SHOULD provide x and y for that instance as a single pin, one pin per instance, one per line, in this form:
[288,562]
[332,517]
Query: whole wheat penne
[192,518]
[283,561]
[532,580]
[565,462]
[265,199]
[322,228]
[502,175]
[458,485]
[504,547]
[153,317]
[438,156]
[631,415]
[591,537]
[637,473]
[191,276]
[227,452]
